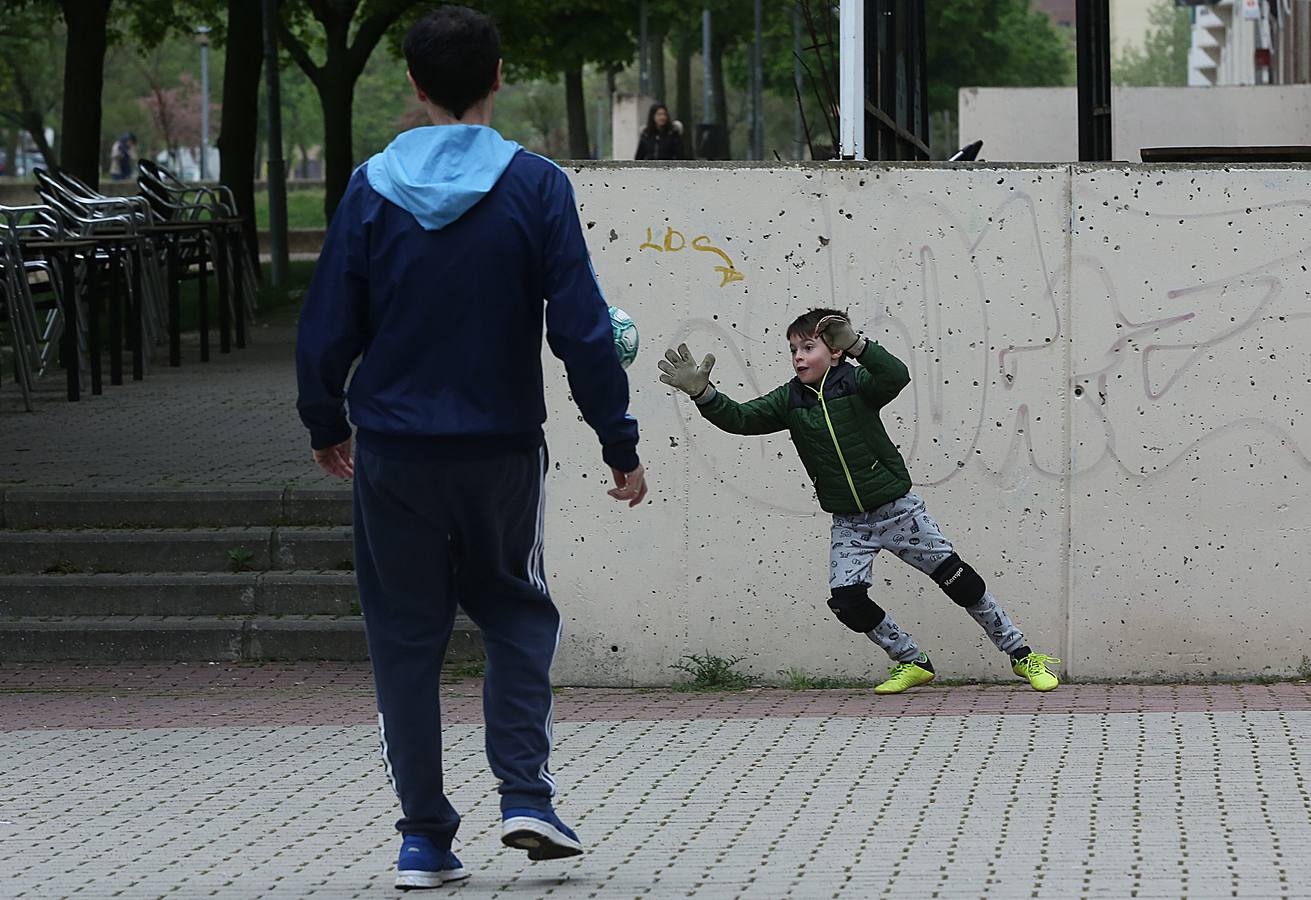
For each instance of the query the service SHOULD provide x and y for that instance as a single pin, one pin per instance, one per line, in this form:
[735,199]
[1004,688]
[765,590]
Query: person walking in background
[435,271]
[123,157]
[662,138]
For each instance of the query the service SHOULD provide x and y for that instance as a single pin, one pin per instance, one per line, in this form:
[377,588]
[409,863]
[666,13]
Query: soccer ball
[625,333]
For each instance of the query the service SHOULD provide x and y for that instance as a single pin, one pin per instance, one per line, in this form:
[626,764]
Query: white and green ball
[625,333]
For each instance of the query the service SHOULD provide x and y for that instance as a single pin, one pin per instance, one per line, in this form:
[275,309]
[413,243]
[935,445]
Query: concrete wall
[1041,124]
[1108,419]
[627,119]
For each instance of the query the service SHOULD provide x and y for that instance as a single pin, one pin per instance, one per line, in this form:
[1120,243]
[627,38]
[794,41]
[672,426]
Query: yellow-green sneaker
[904,676]
[1034,668]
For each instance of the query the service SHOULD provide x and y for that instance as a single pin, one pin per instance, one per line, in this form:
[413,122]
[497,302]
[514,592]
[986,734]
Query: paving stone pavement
[227,423]
[253,781]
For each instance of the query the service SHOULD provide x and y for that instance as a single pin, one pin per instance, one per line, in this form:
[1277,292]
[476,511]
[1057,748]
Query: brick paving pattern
[253,781]
[227,423]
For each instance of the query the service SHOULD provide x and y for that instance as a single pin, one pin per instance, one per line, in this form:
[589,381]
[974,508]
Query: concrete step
[314,548]
[180,594]
[58,508]
[254,549]
[199,639]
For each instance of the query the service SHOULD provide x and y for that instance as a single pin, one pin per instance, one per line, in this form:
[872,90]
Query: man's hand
[837,333]
[336,460]
[630,486]
[681,371]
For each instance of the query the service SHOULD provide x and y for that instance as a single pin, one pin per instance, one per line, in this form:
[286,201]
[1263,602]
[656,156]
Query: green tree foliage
[552,39]
[331,41]
[991,43]
[31,69]
[1163,58]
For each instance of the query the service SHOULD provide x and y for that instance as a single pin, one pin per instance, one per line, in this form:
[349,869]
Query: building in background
[1130,19]
[1061,12]
[1237,42]
[1038,124]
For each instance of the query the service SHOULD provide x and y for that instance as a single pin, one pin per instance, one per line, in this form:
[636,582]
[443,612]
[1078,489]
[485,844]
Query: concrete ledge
[201,638]
[314,548]
[180,594]
[117,639]
[307,594]
[121,550]
[305,638]
[141,507]
[317,506]
[315,637]
[26,508]
[200,594]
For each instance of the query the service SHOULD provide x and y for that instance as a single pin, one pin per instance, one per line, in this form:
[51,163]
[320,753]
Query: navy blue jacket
[438,264]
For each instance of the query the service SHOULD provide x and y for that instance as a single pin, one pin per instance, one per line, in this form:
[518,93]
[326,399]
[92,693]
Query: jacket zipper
[833,434]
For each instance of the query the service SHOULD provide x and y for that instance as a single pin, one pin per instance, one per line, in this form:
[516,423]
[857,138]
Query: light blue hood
[438,172]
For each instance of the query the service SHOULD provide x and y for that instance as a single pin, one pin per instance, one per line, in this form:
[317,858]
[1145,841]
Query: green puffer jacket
[848,455]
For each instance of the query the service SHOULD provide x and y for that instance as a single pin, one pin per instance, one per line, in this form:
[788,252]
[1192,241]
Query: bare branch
[301,55]
[372,30]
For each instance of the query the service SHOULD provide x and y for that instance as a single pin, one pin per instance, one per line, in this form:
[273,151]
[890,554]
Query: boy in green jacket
[832,412]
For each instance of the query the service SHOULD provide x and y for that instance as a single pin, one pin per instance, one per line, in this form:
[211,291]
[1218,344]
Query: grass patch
[270,300]
[304,209]
[712,673]
[800,680]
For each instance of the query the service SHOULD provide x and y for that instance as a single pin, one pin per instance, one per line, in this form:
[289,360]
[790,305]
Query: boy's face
[811,357]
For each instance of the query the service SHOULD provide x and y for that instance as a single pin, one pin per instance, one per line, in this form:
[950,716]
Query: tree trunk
[12,140]
[239,130]
[84,76]
[336,92]
[721,93]
[683,104]
[576,105]
[656,51]
[36,127]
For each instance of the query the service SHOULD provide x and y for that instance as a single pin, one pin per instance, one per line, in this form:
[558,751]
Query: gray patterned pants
[905,528]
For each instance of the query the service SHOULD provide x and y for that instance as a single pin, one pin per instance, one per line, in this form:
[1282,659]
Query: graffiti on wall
[674,241]
[1131,386]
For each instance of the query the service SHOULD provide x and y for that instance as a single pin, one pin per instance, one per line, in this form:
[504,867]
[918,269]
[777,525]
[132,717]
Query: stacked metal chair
[213,210]
[32,298]
[84,274]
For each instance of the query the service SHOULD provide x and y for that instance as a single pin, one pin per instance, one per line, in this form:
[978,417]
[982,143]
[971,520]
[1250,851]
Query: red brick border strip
[193,695]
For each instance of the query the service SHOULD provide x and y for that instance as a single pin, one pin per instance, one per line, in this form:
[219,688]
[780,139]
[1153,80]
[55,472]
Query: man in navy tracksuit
[440,259]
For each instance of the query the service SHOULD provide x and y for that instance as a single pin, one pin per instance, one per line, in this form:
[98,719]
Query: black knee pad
[959,581]
[852,606]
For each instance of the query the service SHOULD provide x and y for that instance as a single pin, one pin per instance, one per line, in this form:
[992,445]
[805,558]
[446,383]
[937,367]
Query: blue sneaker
[422,865]
[540,832]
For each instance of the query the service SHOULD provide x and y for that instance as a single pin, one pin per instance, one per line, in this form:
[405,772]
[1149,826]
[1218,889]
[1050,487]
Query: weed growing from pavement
[239,558]
[712,673]
[469,668]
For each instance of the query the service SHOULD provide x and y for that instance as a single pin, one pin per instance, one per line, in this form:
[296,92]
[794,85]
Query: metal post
[758,88]
[798,127]
[1093,56]
[851,99]
[708,89]
[202,32]
[643,53]
[609,121]
[277,174]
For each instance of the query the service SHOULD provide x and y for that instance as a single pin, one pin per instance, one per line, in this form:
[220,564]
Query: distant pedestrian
[662,138]
[123,157]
